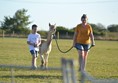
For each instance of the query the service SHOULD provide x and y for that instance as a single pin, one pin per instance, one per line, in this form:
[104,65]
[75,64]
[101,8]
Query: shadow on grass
[35,76]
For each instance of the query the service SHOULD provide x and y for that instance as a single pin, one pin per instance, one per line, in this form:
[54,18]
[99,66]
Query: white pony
[46,46]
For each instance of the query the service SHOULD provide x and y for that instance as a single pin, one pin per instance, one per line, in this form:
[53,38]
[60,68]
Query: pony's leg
[42,60]
[46,60]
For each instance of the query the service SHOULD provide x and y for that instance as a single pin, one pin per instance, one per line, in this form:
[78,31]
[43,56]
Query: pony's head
[52,28]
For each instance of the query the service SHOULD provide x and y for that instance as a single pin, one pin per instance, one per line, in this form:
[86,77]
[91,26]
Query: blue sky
[65,13]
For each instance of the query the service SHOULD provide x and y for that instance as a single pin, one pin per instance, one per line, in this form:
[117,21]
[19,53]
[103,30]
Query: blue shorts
[82,47]
[34,53]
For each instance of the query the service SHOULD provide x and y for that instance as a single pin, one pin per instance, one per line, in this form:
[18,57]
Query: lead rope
[59,47]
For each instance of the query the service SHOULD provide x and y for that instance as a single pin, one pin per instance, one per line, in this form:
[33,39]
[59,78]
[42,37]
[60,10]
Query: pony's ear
[49,24]
[55,24]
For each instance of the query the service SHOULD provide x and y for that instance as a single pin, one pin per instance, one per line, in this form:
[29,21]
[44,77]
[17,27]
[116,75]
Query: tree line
[20,21]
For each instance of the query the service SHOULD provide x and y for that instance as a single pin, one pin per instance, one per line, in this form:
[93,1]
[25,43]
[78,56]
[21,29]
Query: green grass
[102,61]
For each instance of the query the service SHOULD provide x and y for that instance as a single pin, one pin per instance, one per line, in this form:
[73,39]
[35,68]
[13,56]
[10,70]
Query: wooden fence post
[12,76]
[68,71]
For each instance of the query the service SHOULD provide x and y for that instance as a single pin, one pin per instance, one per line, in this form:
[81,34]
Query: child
[34,40]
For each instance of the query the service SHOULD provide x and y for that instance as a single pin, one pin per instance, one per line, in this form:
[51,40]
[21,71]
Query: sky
[65,13]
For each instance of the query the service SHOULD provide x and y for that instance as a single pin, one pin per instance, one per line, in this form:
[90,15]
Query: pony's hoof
[46,68]
[42,67]
[33,67]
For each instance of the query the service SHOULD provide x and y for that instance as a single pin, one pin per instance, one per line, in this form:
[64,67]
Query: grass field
[102,61]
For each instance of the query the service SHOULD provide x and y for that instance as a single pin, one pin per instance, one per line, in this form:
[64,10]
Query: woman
[83,40]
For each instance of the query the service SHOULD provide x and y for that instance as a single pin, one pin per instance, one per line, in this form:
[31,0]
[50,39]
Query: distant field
[102,61]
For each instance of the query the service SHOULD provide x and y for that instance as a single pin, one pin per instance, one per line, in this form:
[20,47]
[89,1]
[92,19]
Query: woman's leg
[80,59]
[85,55]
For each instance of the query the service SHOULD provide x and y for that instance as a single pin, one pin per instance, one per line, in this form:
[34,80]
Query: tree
[7,24]
[100,26]
[113,28]
[61,30]
[98,29]
[18,23]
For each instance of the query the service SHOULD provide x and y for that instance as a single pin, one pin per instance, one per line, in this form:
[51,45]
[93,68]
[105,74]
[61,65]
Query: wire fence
[85,76]
[68,73]
[67,70]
